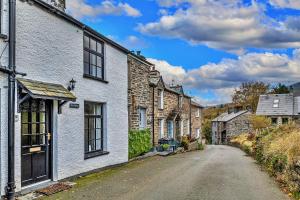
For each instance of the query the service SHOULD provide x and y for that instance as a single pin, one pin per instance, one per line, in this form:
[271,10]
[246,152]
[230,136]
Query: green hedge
[139,142]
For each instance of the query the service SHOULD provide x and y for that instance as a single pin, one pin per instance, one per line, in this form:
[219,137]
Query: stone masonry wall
[238,125]
[139,92]
[196,121]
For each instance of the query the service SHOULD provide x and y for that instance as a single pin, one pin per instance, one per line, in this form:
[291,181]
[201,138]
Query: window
[142,118]
[161,128]
[274,121]
[180,101]
[276,103]
[93,126]
[197,133]
[285,120]
[160,99]
[170,129]
[93,58]
[198,112]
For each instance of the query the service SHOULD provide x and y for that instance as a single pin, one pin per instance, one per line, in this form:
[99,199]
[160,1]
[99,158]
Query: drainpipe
[10,189]
[190,118]
[153,116]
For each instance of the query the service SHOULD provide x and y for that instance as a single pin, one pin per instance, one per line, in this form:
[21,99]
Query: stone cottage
[196,116]
[280,108]
[226,125]
[153,104]
[70,112]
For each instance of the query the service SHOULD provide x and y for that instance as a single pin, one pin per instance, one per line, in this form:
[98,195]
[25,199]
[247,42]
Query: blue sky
[209,46]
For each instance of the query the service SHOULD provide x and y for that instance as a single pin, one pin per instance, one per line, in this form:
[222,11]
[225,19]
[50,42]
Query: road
[217,173]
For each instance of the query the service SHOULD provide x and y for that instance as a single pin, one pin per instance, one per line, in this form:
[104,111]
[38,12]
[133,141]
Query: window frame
[160,99]
[198,112]
[91,51]
[142,120]
[161,131]
[180,101]
[276,103]
[171,130]
[97,152]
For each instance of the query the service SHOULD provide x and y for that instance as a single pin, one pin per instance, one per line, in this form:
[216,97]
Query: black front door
[36,144]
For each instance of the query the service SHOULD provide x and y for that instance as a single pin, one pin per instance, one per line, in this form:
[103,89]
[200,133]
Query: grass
[278,151]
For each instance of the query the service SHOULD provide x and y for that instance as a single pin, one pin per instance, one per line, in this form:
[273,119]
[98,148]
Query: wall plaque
[74,105]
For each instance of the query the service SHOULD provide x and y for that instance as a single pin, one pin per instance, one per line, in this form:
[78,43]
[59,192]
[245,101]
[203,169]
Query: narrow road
[217,173]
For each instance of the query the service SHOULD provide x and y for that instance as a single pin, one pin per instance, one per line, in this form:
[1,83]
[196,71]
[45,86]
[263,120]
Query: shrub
[139,142]
[200,146]
[259,122]
[185,142]
[165,147]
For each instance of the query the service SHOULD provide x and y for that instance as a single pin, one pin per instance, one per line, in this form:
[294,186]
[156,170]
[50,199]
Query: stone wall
[139,91]
[196,121]
[238,125]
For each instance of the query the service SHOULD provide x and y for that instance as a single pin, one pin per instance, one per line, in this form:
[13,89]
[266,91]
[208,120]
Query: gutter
[10,188]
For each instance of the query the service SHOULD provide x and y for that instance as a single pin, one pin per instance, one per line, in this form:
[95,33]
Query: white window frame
[198,112]
[172,130]
[161,99]
[276,103]
[142,118]
[161,123]
[180,101]
[198,133]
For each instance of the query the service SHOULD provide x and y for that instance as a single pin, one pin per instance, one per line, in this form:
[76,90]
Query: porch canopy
[42,90]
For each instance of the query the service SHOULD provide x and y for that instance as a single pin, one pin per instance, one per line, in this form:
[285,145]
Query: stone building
[280,108]
[196,117]
[231,123]
[165,110]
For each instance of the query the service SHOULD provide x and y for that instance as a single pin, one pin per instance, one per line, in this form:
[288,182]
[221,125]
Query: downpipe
[10,188]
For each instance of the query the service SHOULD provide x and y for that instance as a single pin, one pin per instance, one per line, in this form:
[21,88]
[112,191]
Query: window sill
[95,154]
[95,78]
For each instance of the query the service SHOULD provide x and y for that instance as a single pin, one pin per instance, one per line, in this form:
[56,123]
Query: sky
[208,46]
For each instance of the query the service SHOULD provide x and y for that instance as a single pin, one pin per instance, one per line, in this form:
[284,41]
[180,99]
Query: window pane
[98,123]
[33,117]
[86,57]
[24,117]
[98,145]
[42,128]
[93,59]
[98,134]
[24,129]
[99,47]
[33,129]
[99,61]
[86,68]
[42,117]
[88,109]
[99,72]
[93,70]
[98,109]
[86,42]
[93,44]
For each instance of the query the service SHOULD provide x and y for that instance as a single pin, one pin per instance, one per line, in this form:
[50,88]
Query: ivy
[139,142]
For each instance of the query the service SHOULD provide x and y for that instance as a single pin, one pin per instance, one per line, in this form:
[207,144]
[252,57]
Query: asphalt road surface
[217,173]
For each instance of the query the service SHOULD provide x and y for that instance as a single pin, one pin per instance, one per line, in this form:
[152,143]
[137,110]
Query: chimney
[59,4]
[154,74]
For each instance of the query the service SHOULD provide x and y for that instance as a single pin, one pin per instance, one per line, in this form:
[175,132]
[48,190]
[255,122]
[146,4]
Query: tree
[248,94]
[280,89]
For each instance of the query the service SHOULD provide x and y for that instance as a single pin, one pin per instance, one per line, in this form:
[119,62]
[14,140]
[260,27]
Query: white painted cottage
[71,107]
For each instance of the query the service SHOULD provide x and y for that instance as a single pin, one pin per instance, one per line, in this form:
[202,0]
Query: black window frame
[95,152]
[96,53]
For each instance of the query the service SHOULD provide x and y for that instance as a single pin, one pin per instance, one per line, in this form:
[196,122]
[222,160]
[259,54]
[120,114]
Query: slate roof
[287,105]
[226,117]
[194,103]
[42,90]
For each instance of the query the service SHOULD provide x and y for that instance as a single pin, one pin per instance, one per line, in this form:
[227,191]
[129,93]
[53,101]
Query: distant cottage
[280,108]
[226,125]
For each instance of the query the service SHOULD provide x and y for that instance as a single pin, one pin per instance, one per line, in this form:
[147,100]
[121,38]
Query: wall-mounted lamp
[71,85]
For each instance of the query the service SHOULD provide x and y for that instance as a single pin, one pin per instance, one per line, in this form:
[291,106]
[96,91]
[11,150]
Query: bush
[185,142]
[165,147]
[139,142]
[200,146]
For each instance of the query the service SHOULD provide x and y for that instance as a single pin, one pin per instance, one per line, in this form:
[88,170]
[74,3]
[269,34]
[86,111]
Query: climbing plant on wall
[139,142]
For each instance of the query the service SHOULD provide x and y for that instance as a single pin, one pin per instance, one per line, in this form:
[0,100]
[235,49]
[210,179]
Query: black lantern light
[71,85]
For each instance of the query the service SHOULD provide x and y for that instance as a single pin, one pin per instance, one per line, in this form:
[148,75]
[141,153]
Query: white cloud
[228,24]
[293,4]
[80,9]
[221,78]
[134,43]
[169,72]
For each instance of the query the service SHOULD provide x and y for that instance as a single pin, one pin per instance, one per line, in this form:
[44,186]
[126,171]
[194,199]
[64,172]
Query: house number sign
[74,105]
